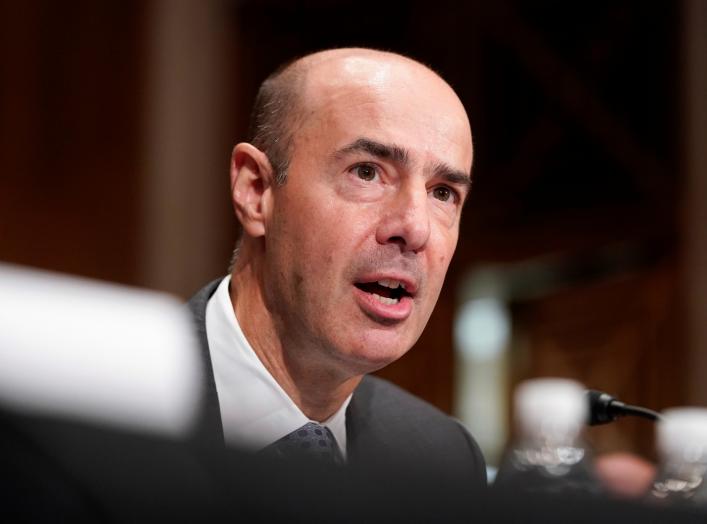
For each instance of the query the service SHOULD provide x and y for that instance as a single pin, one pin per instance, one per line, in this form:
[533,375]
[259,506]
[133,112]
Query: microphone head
[600,411]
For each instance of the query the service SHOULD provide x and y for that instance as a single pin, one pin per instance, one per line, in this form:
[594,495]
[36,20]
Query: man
[349,195]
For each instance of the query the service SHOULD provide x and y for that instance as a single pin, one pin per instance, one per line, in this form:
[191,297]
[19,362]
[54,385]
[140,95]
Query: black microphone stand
[603,408]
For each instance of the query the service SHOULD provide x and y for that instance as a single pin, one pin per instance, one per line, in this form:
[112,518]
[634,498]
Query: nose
[406,220]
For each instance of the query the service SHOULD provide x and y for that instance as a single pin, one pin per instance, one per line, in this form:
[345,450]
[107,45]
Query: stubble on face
[319,244]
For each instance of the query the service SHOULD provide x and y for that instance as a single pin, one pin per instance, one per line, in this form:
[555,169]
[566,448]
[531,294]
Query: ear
[251,187]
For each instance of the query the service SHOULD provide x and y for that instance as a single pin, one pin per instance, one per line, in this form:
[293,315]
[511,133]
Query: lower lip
[384,312]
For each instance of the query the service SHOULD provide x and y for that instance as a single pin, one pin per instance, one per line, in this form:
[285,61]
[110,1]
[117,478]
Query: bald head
[298,89]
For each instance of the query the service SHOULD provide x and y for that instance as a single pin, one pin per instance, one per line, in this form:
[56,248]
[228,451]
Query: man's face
[359,238]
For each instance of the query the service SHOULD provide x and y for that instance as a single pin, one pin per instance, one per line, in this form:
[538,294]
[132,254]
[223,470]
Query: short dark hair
[276,109]
[272,121]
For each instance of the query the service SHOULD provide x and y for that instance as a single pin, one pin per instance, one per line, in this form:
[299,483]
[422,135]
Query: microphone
[603,408]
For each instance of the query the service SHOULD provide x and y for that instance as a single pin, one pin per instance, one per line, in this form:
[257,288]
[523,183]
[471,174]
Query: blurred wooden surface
[70,127]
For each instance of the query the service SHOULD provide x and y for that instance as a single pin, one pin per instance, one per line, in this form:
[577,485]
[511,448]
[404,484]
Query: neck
[317,388]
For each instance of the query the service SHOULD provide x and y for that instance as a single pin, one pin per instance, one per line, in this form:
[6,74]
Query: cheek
[439,260]
[315,242]
[335,230]
[299,279]
[444,247]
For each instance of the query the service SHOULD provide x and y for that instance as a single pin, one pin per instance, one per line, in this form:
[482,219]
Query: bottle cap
[550,407]
[682,434]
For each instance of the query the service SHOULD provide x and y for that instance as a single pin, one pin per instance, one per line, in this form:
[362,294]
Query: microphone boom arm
[603,408]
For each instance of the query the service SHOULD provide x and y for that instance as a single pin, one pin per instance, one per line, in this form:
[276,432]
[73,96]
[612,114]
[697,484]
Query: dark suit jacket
[384,424]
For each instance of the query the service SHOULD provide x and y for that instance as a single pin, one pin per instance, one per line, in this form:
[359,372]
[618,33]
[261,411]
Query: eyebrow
[390,152]
[453,176]
[400,156]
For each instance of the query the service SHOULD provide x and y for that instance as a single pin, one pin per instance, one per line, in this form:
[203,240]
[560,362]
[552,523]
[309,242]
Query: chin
[364,346]
[376,354]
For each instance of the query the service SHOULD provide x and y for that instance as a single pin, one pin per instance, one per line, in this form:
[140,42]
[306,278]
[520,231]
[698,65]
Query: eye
[443,193]
[366,172]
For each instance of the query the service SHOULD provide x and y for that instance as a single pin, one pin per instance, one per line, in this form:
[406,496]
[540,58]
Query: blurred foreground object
[625,474]
[682,445]
[96,352]
[99,386]
[549,454]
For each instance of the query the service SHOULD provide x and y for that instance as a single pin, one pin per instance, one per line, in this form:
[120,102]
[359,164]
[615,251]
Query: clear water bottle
[681,439]
[549,455]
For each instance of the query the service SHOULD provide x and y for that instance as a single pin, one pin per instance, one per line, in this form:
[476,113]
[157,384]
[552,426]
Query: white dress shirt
[255,410]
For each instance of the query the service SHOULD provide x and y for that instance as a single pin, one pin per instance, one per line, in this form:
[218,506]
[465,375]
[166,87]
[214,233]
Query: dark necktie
[311,441]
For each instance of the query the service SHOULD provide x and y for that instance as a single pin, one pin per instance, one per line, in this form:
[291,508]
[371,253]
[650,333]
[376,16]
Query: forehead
[389,102]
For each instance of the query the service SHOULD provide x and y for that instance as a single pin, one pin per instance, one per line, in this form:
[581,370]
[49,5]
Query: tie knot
[310,441]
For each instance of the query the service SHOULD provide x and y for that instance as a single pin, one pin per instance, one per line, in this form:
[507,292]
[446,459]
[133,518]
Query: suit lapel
[209,430]
[367,431]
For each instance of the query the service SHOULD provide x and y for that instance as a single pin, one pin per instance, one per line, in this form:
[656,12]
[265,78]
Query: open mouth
[388,292]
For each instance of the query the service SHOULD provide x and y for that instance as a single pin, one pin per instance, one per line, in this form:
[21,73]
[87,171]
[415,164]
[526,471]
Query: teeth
[385,300]
[392,284]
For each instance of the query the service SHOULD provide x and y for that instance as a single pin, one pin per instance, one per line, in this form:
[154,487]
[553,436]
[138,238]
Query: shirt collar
[255,410]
